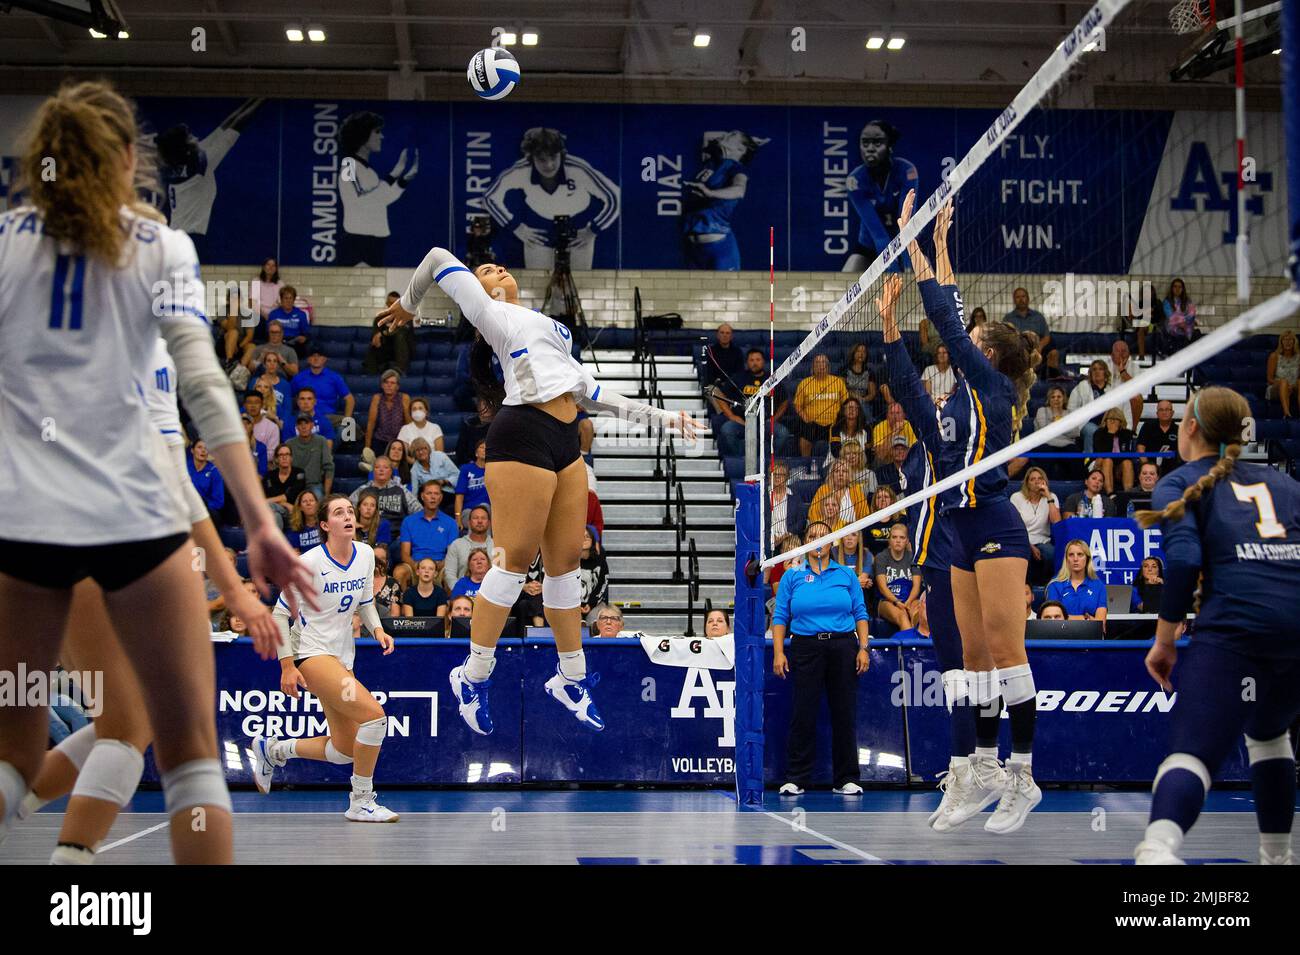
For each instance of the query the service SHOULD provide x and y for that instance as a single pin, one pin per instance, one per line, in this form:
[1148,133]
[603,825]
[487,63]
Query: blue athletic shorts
[982,533]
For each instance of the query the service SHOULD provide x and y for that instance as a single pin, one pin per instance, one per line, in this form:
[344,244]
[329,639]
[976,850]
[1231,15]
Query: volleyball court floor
[611,827]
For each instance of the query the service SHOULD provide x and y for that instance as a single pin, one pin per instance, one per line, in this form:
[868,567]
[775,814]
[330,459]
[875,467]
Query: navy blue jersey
[705,215]
[878,206]
[1244,537]
[929,536]
[977,419]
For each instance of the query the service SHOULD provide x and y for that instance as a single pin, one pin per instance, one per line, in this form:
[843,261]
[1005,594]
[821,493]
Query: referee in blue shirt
[820,604]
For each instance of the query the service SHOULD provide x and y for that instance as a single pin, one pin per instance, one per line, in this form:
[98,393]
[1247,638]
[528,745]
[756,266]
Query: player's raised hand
[942,223]
[1160,663]
[905,214]
[394,316]
[271,558]
[890,288]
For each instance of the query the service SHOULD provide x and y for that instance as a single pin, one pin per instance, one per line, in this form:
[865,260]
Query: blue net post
[749,624]
[1291,120]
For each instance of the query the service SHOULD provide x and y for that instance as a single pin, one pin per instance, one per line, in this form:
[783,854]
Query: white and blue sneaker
[576,697]
[472,698]
[264,763]
[364,807]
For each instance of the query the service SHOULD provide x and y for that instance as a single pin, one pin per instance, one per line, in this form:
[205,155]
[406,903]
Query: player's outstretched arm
[942,261]
[920,264]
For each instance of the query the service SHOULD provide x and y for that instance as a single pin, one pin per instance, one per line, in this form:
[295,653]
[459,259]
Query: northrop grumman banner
[334,182]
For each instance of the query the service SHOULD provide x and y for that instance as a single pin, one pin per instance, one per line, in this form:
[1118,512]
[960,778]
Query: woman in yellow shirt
[852,504]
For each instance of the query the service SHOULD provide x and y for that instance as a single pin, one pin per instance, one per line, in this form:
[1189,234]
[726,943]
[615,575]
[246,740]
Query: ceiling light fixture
[316,33]
[293,33]
[530,38]
[875,42]
[702,39]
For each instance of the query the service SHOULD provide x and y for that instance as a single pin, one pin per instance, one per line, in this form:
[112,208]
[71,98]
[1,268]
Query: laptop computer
[1064,630]
[1119,598]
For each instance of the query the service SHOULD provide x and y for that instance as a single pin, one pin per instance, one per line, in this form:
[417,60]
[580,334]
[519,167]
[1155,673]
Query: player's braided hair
[1221,414]
[1015,355]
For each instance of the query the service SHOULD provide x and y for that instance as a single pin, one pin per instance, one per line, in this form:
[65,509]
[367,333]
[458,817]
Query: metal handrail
[669,475]
[693,588]
[679,529]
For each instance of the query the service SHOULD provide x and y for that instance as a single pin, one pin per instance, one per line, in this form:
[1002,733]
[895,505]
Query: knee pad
[112,772]
[562,592]
[954,688]
[1183,761]
[1016,684]
[373,733]
[501,587]
[1260,750]
[334,756]
[77,746]
[12,789]
[982,686]
[196,783]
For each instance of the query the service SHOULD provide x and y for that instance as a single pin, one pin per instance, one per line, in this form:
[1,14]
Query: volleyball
[493,73]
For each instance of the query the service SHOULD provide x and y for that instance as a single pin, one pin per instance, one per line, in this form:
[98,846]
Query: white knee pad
[1016,684]
[1260,750]
[1183,761]
[501,587]
[982,686]
[77,746]
[334,756]
[112,772]
[12,790]
[955,689]
[562,592]
[375,732]
[196,783]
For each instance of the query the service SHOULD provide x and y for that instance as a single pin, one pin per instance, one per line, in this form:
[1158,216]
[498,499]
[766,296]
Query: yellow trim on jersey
[979,450]
[931,511]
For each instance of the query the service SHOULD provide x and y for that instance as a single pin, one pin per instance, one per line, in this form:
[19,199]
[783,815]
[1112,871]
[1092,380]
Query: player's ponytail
[1015,354]
[1221,415]
[73,167]
[484,379]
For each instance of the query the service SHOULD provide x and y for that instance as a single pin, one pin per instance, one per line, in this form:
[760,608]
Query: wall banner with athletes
[667,186]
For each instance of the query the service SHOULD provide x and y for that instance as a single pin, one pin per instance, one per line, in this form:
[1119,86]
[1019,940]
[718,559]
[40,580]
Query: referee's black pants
[823,668]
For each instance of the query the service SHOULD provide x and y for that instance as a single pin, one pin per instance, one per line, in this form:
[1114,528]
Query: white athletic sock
[959,762]
[1275,843]
[362,784]
[573,665]
[1165,831]
[480,663]
[1021,759]
[283,750]
[31,803]
[72,855]
[989,751]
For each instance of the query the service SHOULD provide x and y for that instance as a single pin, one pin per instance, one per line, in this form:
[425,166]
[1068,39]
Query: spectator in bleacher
[389,412]
[419,425]
[312,455]
[1283,374]
[269,285]
[1139,498]
[402,573]
[827,510]
[283,483]
[1029,603]
[817,401]
[851,424]
[308,409]
[783,546]
[461,607]
[850,499]
[478,536]
[275,342]
[428,533]
[1051,610]
[389,348]
[890,473]
[1076,586]
[855,459]
[1121,368]
[236,334]
[850,552]
[206,479]
[274,388]
[401,462]
[595,513]
[473,430]
[265,427]
[729,406]
[878,534]
[1161,435]
[884,433]
[477,565]
[898,579]
[396,503]
[304,522]
[725,356]
[216,602]
[1091,388]
[717,624]
[259,450]
[387,591]
[372,529]
[1026,319]
[331,390]
[1113,437]
[424,598]
[471,485]
[1053,409]
[1149,588]
[860,375]
[1039,508]
[977,316]
[1092,501]
[786,509]
[1179,325]
[593,571]
[431,465]
[940,379]
[528,607]
[606,621]
[295,321]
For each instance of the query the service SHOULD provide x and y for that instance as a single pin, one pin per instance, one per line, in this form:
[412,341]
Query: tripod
[564,293]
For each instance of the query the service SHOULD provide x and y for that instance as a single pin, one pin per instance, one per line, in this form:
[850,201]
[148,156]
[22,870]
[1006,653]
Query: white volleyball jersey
[341,589]
[366,199]
[160,396]
[191,199]
[79,457]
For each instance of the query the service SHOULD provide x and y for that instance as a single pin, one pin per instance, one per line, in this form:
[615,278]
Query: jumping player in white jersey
[88,281]
[101,763]
[535,474]
[317,650]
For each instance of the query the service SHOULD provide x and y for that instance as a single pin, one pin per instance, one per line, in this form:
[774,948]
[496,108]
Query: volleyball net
[1078,213]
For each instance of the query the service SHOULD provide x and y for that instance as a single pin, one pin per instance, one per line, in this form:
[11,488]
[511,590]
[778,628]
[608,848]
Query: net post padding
[1243,326]
[1054,69]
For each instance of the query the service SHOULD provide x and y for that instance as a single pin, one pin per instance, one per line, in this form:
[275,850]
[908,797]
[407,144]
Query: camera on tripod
[563,232]
[478,245]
